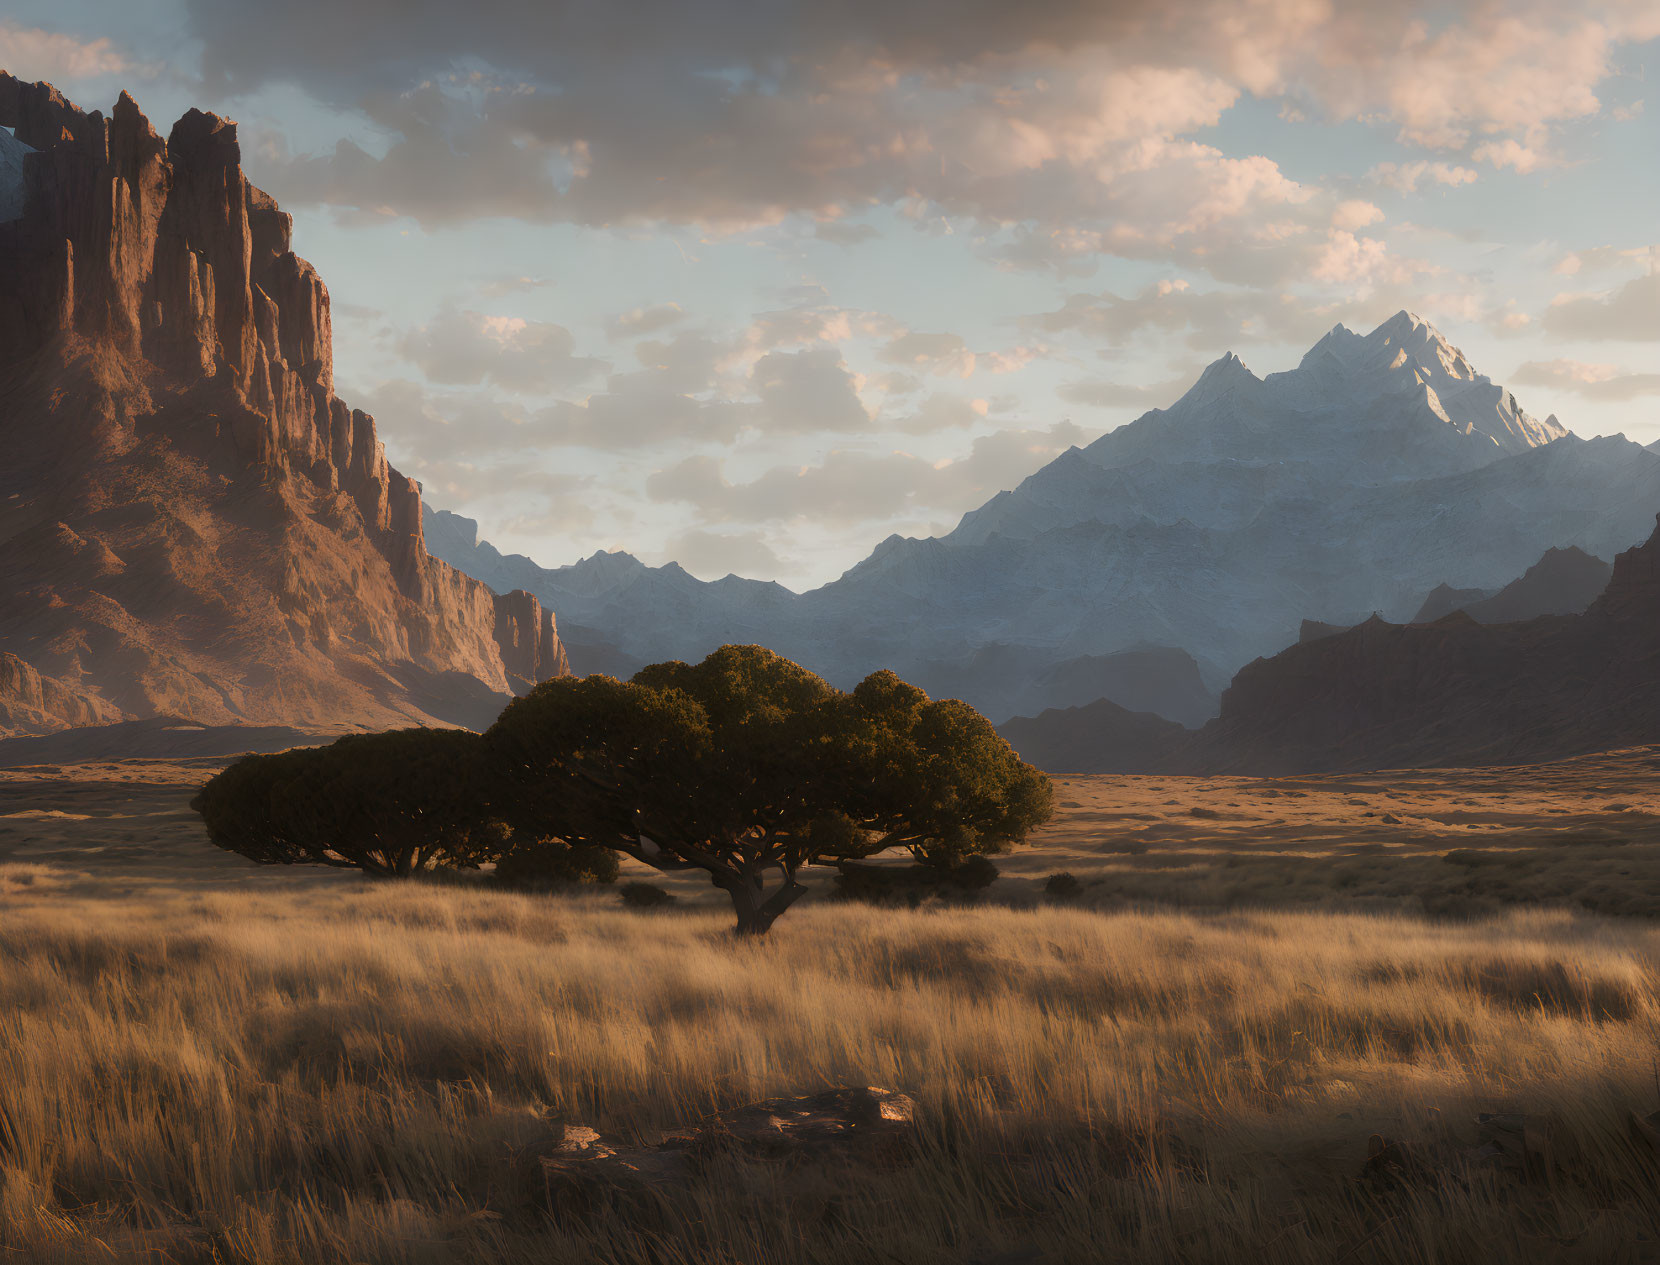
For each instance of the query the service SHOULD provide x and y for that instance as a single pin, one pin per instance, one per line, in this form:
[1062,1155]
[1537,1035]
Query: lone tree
[390,804]
[749,767]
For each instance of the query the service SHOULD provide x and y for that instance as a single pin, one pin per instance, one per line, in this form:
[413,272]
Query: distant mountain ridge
[1101,738]
[1381,466]
[1563,582]
[1452,692]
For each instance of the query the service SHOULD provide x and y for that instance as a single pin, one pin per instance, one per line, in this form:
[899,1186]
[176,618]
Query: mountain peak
[1221,377]
[1402,324]
[612,562]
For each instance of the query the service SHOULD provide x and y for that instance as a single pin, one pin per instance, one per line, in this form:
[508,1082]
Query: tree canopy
[390,804]
[749,767]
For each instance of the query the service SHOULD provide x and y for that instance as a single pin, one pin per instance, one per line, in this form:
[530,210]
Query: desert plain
[1406,1016]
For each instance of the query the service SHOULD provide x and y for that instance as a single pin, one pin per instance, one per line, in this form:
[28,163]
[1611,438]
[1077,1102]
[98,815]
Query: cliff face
[193,521]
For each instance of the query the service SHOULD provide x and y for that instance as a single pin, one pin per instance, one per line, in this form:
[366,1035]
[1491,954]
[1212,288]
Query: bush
[645,896]
[877,884]
[972,875]
[547,865]
[390,804]
[1062,885]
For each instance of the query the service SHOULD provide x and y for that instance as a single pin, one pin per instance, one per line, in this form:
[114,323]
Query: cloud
[464,347]
[1355,213]
[1508,320]
[1363,262]
[445,425]
[809,390]
[744,115]
[941,411]
[713,555]
[31,53]
[644,320]
[1205,319]
[1596,258]
[1631,312]
[688,362]
[839,234]
[1511,153]
[813,323]
[1410,176]
[499,287]
[692,389]
[1105,394]
[851,487]
[1062,134]
[945,355]
[1228,318]
[1594,381]
[643,408]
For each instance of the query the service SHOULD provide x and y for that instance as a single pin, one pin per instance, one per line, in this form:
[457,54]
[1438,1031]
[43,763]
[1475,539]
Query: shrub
[543,865]
[1062,885]
[645,896]
[878,884]
[390,804]
[974,874]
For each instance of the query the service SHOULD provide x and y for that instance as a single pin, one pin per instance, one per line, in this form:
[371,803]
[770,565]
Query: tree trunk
[756,909]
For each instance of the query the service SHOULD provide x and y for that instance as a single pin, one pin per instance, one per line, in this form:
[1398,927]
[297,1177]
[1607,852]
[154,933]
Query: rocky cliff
[193,522]
[1563,582]
[1451,692]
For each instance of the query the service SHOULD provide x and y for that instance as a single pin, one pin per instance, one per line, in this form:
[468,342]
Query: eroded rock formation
[194,523]
[1455,691]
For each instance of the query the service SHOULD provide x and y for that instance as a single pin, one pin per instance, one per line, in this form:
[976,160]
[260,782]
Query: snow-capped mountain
[1398,403]
[1380,467]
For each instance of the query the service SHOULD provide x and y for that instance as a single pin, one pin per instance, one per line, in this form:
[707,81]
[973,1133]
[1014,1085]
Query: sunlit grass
[368,1072]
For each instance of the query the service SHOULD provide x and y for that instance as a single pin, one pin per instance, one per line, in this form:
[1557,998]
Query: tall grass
[369,1073]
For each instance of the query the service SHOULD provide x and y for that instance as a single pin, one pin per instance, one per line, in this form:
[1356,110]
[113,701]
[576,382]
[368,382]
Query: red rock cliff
[166,366]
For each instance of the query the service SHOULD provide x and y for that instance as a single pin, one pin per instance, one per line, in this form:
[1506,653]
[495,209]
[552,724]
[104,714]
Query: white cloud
[31,53]
[849,487]
[1410,176]
[1594,381]
[945,355]
[1631,312]
[1355,213]
[711,555]
[644,320]
[463,347]
[808,390]
[1513,154]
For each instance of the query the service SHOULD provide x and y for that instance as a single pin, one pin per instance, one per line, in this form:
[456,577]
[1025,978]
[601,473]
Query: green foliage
[934,776]
[543,865]
[645,896]
[748,766]
[390,804]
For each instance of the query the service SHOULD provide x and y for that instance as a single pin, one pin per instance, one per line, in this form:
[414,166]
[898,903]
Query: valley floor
[201,1061]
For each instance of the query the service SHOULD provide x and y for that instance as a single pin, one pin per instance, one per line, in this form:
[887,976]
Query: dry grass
[249,1066]
[1582,834]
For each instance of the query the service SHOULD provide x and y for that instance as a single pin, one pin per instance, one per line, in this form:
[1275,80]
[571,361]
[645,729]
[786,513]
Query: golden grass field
[202,1061]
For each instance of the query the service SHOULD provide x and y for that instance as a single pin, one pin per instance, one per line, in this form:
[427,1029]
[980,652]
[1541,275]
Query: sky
[752,284]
